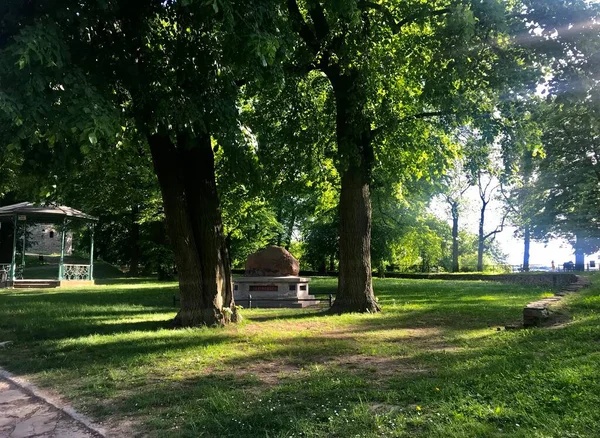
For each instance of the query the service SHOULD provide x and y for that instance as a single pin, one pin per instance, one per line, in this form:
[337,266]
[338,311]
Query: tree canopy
[322,126]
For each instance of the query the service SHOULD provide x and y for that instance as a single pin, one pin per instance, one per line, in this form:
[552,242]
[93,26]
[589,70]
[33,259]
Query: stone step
[264,304]
[35,284]
[537,312]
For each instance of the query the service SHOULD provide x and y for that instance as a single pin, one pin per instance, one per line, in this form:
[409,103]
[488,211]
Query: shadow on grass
[129,280]
[500,389]
[56,314]
[287,373]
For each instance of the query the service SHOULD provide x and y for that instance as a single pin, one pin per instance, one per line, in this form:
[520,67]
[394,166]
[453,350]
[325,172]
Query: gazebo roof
[41,213]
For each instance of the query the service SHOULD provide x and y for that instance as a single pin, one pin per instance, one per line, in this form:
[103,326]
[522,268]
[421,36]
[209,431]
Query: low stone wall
[555,280]
[538,313]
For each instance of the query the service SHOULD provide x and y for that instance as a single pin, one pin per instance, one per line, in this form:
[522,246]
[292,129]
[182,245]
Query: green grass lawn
[433,364]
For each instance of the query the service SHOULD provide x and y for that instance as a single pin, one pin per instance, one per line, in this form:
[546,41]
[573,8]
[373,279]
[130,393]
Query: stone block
[271,261]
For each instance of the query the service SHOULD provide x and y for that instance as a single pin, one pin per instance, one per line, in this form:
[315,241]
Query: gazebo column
[61,265]
[13,264]
[23,248]
[91,275]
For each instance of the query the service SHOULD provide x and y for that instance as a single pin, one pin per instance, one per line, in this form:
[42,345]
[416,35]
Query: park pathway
[23,415]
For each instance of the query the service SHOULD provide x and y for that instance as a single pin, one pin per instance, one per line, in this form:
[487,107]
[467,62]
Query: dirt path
[23,415]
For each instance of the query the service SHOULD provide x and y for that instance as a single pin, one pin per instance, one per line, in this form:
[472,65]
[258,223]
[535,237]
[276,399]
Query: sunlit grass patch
[434,363]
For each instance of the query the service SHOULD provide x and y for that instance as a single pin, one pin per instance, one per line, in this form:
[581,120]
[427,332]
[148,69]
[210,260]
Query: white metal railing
[76,272]
[4,272]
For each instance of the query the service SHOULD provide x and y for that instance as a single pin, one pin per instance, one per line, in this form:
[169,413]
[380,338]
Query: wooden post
[13,264]
[61,267]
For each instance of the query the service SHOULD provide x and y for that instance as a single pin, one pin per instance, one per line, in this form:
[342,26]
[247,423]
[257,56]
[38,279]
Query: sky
[540,253]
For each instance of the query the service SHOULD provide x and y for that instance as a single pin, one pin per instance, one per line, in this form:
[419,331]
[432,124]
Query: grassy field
[433,364]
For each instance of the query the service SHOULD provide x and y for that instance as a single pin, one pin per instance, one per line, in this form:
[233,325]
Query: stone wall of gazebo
[45,239]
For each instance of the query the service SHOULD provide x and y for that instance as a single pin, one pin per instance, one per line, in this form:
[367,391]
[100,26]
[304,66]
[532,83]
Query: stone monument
[271,280]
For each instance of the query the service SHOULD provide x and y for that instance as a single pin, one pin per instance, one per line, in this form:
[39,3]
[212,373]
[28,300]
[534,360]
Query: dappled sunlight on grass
[431,364]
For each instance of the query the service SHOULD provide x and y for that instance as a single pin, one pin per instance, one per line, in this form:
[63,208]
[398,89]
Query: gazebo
[24,213]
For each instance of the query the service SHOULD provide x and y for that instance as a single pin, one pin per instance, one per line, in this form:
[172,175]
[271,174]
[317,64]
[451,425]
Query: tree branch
[415,17]
[507,200]
[317,15]
[423,115]
[498,229]
[484,195]
[396,26]
[300,26]
[318,42]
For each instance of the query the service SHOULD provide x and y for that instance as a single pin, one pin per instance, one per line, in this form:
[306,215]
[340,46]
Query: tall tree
[521,152]
[170,67]
[487,186]
[454,186]
[391,66]
[565,194]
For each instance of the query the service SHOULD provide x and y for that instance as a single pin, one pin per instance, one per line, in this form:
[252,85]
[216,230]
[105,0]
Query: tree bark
[203,201]
[527,244]
[186,177]
[455,267]
[355,286]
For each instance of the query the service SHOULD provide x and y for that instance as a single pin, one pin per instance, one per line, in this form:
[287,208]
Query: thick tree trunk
[481,241]
[203,201]
[527,244]
[455,267]
[355,286]
[186,177]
